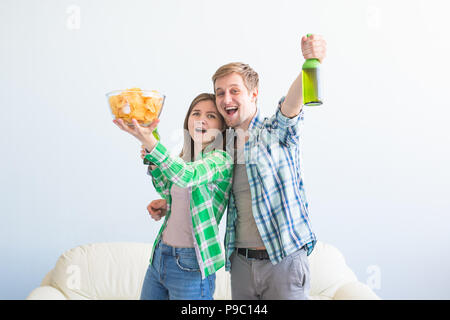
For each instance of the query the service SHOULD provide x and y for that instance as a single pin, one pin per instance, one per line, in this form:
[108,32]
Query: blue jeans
[175,275]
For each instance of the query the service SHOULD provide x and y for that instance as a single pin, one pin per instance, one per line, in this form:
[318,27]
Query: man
[269,235]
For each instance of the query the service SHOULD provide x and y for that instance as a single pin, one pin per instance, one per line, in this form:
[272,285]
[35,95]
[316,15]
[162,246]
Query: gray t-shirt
[247,234]
[178,231]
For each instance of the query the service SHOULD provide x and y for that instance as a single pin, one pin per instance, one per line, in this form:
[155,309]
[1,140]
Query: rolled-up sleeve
[213,165]
[288,128]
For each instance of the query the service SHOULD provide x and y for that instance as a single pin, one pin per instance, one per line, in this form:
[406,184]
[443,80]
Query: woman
[187,250]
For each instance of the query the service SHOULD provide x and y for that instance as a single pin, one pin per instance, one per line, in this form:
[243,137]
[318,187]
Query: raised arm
[159,180]
[213,166]
[313,46]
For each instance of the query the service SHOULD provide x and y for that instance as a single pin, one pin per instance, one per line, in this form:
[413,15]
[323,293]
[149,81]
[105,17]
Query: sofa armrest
[355,291]
[46,293]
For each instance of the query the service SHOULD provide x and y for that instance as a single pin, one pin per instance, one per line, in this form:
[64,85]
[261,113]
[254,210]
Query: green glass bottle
[156,134]
[311,85]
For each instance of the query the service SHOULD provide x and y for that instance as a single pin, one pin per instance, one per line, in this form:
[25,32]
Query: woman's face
[204,122]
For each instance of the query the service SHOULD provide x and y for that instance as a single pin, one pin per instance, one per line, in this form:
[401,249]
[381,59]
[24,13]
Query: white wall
[375,155]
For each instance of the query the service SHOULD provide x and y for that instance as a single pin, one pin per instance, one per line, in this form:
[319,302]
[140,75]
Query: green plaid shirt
[209,180]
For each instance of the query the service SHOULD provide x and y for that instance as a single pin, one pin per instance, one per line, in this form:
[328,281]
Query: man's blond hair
[250,77]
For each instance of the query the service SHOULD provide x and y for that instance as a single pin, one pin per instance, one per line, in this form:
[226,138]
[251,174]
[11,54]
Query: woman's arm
[160,182]
[214,165]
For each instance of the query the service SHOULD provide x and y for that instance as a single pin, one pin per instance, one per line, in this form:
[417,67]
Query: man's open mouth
[200,130]
[231,110]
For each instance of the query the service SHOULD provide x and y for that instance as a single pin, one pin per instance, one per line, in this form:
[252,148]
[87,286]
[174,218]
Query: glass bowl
[142,105]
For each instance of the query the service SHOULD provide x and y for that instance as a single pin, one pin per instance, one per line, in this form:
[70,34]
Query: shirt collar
[255,121]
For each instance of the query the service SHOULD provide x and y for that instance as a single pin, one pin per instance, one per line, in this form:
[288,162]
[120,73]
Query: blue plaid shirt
[279,205]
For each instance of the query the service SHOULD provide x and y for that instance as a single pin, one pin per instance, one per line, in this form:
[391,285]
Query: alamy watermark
[373,17]
[374,278]
[73,20]
[232,141]
[73,281]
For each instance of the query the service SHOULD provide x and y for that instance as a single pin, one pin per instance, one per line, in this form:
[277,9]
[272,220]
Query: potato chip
[142,105]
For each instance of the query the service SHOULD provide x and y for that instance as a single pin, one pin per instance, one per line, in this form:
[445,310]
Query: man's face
[235,103]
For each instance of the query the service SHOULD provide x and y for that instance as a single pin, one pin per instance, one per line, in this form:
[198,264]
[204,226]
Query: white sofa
[116,271]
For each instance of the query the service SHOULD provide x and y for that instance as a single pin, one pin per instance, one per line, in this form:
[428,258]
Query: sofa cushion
[102,271]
